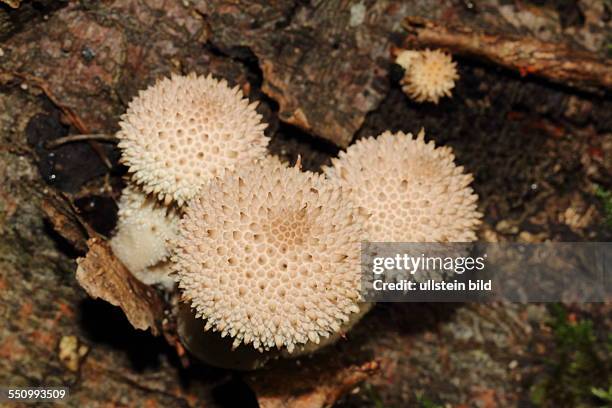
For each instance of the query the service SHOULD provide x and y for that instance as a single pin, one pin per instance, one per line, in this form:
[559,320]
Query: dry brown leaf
[103,276]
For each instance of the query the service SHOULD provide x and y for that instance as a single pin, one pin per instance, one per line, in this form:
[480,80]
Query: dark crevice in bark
[12,21]
[288,141]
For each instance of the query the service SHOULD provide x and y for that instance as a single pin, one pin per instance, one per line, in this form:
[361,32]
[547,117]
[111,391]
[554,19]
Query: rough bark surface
[323,73]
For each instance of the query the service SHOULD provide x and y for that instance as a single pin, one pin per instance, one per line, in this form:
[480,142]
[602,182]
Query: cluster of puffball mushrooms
[266,255]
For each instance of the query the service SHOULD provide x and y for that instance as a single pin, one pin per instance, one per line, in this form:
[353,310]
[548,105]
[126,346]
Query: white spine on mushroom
[181,132]
[429,75]
[269,255]
[410,190]
[141,239]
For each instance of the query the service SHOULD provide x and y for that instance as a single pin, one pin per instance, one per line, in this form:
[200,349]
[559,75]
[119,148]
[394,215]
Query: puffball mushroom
[181,132]
[405,57]
[410,190]
[429,75]
[270,256]
[143,230]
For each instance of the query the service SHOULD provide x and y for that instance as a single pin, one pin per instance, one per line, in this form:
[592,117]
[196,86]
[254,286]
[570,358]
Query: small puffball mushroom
[181,132]
[411,190]
[429,75]
[141,237]
[405,57]
[270,256]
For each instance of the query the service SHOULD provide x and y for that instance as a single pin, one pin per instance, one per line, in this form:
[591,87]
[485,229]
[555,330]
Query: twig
[555,62]
[52,144]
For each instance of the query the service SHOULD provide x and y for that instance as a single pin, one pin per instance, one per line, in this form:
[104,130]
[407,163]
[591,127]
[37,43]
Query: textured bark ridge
[322,70]
[325,66]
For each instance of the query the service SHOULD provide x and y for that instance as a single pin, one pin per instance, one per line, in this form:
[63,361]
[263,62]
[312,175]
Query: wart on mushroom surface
[269,255]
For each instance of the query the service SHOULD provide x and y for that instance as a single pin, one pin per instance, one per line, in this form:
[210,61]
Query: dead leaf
[103,276]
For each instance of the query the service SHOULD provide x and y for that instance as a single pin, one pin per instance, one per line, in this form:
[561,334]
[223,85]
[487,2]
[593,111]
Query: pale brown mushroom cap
[181,132]
[405,57]
[141,239]
[411,190]
[269,255]
[430,75]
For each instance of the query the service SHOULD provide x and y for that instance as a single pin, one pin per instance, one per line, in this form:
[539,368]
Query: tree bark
[323,74]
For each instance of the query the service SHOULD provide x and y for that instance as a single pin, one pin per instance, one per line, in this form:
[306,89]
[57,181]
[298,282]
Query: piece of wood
[556,62]
[103,276]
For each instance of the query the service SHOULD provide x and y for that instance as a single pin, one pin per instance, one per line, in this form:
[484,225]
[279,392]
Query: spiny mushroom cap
[405,57]
[270,256]
[411,190]
[181,132]
[430,75]
[143,230]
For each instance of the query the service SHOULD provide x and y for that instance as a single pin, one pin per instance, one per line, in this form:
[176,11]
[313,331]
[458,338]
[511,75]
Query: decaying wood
[102,275]
[327,66]
[317,384]
[65,221]
[325,89]
[556,62]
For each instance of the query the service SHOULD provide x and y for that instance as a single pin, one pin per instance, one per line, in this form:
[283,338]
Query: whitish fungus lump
[429,75]
[269,255]
[410,190]
[141,238]
[181,132]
